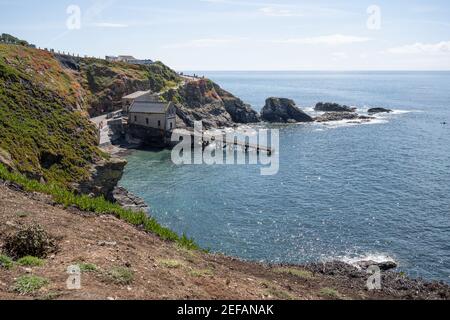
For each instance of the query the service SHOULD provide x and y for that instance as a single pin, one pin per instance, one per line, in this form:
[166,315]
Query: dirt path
[161,270]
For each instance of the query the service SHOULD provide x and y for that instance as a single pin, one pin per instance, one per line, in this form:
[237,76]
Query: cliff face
[105,83]
[205,101]
[43,131]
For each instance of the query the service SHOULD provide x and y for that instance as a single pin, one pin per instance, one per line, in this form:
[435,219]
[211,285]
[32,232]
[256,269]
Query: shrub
[31,241]
[330,293]
[29,284]
[6,262]
[30,261]
[87,267]
[121,275]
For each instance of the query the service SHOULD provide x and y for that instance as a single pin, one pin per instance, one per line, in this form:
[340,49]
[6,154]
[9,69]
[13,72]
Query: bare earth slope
[162,270]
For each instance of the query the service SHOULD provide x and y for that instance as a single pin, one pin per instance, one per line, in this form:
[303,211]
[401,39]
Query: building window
[146,121]
[135,118]
[171,125]
[159,123]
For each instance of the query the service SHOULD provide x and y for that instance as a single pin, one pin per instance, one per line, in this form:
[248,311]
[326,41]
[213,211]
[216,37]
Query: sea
[344,191]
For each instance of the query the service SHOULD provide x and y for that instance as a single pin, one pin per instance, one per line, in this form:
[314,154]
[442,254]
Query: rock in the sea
[280,110]
[379,110]
[333,107]
[337,116]
[384,265]
[128,200]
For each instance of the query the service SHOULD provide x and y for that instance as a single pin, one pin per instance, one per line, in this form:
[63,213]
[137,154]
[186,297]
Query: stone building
[149,111]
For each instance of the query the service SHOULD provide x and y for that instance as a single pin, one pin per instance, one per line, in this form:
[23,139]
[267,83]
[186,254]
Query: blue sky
[244,34]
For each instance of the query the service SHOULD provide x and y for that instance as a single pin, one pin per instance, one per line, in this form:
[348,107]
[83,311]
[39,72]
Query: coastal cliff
[46,100]
[204,100]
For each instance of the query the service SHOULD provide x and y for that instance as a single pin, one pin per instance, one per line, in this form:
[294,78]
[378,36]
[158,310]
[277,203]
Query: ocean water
[343,191]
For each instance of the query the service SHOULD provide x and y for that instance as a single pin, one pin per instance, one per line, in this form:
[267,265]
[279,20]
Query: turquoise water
[343,191]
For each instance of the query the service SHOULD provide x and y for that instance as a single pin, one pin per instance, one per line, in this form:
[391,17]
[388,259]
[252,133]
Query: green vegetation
[40,133]
[120,275]
[31,241]
[7,38]
[303,274]
[171,264]
[201,273]
[6,262]
[97,205]
[87,267]
[330,293]
[29,284]
[30,261]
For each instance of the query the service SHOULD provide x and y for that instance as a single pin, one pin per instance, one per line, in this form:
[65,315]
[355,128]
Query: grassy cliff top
[42,132]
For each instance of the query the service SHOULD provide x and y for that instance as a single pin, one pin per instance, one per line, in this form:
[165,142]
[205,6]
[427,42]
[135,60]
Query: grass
[171,264]
[29,284]
[30,261]
[201,273]
[279,294]
[97,205]
[120,275]
[6,262]
[330,293]
[303,274]
[41,132]
[87,267]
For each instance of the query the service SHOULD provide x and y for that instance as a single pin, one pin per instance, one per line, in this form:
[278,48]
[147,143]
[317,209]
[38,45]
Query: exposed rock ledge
[333,107]
[105,175]
[338,116]
[379,110]
[281,110]
[128,200]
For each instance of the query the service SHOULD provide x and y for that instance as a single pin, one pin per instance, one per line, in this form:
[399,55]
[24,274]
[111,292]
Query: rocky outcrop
[128,200]
[281,110]
[338,116]
[239,111]
[379,110]
[105,175]
[205,101]
[384,265]
[333,107]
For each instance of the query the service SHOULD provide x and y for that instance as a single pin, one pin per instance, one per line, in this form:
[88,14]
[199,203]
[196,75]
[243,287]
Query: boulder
[280,110]
[384,265]
[379,110]
[333,107]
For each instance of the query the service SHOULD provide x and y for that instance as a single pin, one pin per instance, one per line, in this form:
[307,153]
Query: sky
[243,34]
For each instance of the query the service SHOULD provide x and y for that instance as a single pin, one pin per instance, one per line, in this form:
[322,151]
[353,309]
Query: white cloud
[422,48]
[109,25]
[278,12]
[336,39]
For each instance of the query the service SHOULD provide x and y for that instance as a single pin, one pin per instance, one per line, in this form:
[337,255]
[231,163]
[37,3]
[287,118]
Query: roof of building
[149,107]
[136,95]
[127,57]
